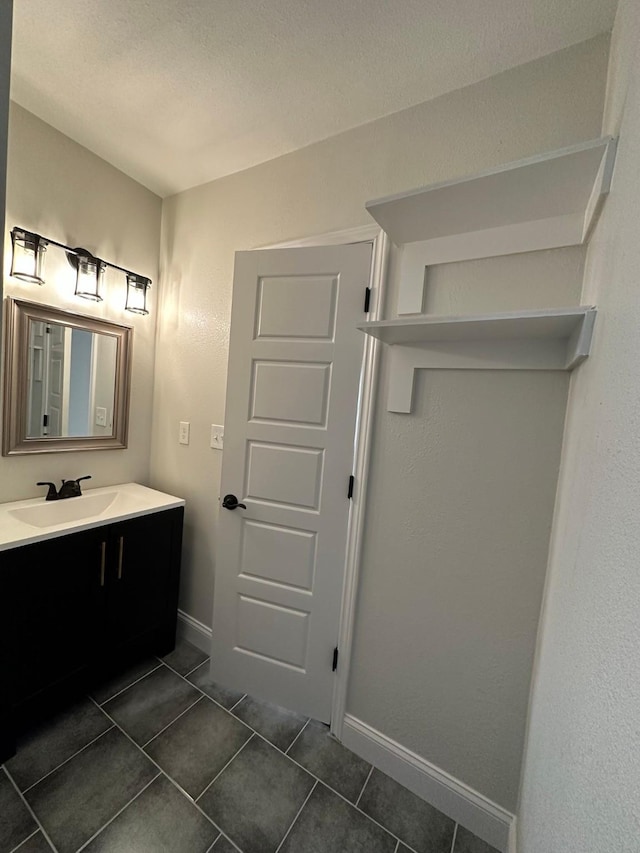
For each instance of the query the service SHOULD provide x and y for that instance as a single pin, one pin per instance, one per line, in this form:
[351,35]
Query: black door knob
[231,502]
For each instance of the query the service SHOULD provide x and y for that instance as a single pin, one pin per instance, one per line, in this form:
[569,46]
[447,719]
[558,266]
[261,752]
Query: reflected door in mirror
[72,381]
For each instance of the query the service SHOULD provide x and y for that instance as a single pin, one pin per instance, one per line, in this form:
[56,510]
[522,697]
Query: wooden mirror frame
[16,377]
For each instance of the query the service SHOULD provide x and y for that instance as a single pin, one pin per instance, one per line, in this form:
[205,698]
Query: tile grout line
[24,840]
[455,835]
[234,756]
[31,811]
[191,671]
[168,666]
[203,692]
[62,763]
[206,695]
[267,741]
[286,752]
[298,813]
[333,790]
[117,814]
[104,702]
[181,714]
[215,841]
[173,782]
[306,770]
[366,781]
[233,707]
[397,847]
[226,838]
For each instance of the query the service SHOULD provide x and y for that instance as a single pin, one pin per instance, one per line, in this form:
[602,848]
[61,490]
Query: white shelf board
[551,339]
[546,323]
[548,186]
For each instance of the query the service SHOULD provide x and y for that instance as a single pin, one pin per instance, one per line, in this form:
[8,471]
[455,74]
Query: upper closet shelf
[564,186]
[551,339]
[549,324]
[543,202]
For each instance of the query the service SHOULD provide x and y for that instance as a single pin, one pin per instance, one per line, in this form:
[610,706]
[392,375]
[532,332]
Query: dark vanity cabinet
[142,592]
[77,607]
[57,612]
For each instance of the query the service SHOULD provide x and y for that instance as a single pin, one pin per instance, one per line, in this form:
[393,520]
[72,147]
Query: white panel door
[295,360]
[55,379]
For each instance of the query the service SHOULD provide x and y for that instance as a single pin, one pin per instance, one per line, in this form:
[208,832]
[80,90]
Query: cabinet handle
[120,553]
[103,561]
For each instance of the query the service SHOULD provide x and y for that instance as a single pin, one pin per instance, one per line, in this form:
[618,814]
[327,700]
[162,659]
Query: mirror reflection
[67,380]
[71,381]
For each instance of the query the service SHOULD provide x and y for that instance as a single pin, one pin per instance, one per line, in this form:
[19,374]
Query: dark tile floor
[160,760]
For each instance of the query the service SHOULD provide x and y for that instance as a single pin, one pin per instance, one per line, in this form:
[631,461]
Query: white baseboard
[474,811]
[194,632]
[513,839]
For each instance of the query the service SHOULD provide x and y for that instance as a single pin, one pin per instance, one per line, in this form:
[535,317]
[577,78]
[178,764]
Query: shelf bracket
[467,355]
[510,354]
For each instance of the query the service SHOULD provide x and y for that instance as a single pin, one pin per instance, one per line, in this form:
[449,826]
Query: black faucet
[52,494]
[68,489]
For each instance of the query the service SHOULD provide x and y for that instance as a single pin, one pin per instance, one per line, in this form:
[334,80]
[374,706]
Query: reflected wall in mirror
[66,381]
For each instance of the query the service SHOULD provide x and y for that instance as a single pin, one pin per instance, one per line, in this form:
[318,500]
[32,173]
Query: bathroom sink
[63,512]
[35,520]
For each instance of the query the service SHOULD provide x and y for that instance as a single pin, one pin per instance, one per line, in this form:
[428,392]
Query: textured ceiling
[179,92]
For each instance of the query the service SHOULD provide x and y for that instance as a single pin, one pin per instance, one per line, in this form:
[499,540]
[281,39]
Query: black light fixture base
[72,256]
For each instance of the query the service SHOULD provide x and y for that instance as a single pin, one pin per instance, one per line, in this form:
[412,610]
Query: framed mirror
[66,381]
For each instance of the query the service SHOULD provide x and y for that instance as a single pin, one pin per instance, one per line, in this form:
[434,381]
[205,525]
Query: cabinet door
[58,590]
[143,576]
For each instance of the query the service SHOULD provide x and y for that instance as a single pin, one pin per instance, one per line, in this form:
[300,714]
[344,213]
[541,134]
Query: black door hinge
[367,299]
[48,330]
[334,666]
[352,481]
[45,420]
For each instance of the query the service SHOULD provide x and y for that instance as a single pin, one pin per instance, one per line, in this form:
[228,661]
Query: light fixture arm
[78,251]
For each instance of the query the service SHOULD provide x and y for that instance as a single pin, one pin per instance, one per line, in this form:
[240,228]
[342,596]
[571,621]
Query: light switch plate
[183,435]
[101,416]
[217,436]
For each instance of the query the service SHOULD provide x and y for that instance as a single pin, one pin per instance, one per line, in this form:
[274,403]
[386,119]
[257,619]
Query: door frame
[362,446]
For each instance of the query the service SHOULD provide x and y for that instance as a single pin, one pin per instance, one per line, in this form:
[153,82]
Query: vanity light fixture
[27,261]
[89,274]
[137,286]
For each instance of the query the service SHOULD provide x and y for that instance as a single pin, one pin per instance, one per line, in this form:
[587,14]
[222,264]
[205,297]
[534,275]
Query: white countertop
[94,508]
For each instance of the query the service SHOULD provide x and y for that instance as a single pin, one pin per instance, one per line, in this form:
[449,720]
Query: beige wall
[458,519]
[6,17]
[432,669]
[57,188]
[581,780]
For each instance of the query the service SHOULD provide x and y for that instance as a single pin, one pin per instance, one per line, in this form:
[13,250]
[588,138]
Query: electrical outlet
[183,434]
[101,416]
[217,436]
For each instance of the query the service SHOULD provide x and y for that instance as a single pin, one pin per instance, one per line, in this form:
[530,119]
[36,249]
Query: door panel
[295,359]
[278,554]
[296,307]
[272,631]
[290,392]
[284,475]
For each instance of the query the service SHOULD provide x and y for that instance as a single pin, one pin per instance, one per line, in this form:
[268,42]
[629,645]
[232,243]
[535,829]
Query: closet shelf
[550,339]
[565,186]
[550,323]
